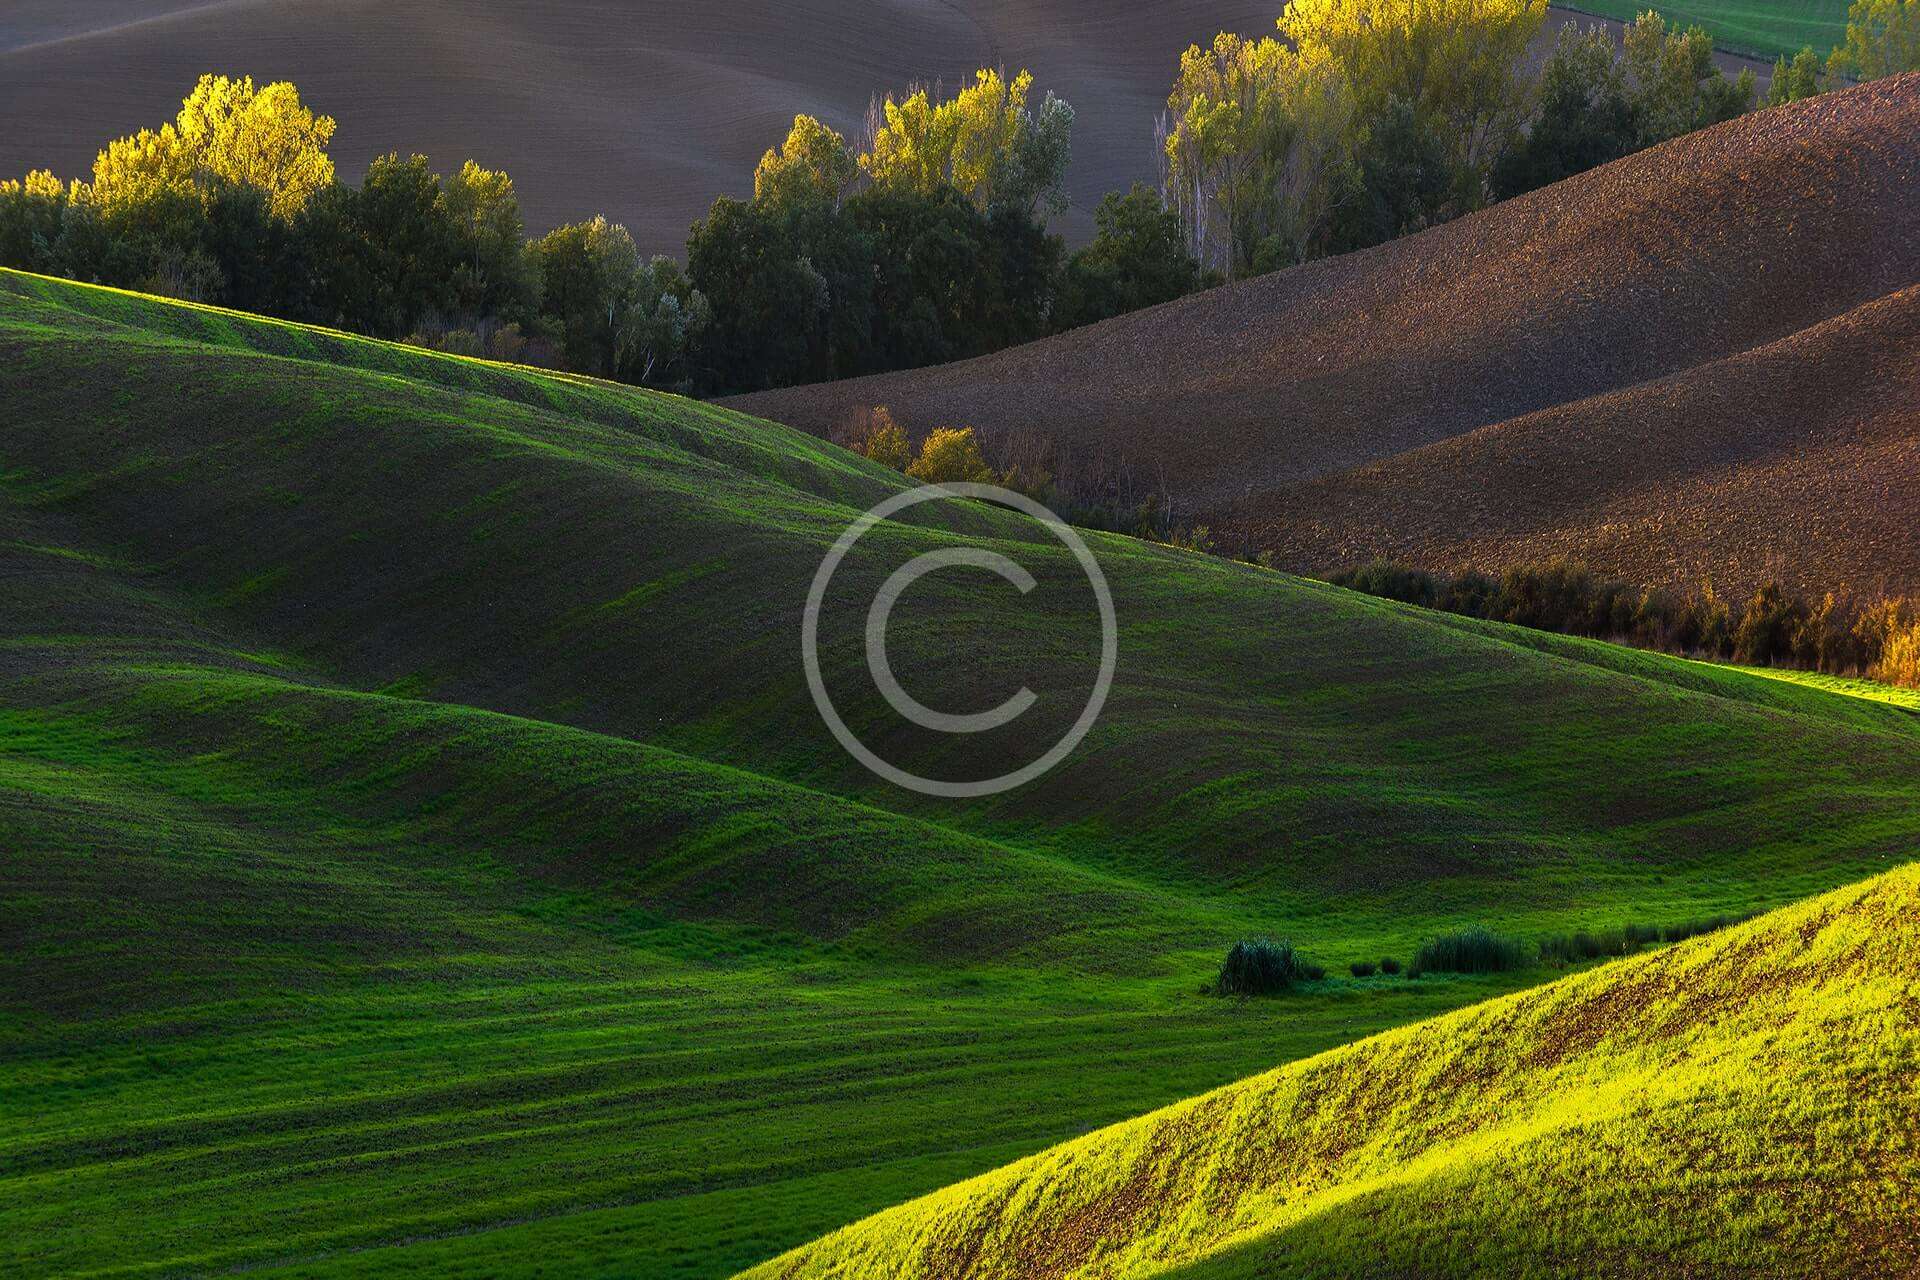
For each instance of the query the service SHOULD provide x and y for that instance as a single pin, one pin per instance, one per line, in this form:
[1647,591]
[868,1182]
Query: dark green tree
[1587,116]
[1138,258]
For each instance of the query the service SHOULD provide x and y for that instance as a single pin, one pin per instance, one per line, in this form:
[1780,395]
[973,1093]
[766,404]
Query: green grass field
[422,852]
[1756,1087]
[1761,28]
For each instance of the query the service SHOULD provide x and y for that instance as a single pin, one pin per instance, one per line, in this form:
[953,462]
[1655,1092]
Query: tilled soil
[1699,362]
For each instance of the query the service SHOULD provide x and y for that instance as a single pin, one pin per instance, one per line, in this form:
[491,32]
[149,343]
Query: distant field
[422,854]
[1765,28]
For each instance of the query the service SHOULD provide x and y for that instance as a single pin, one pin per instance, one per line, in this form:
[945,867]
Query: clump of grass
[1571,948]
[1361,968]
[1471,950]
[1583,944]
[1389,966]
[1262,966]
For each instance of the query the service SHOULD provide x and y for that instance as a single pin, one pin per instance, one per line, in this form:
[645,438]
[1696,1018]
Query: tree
[1883,39]
[1587,115]
[1457,62]
[31,214]
[983,143]
[1138,258]
[1258,142]
[411,243]
[1677,87]
[665,315]
[499,277]
[1406,180]
[226,129]
[813,166]
[1795,80]
[592,273]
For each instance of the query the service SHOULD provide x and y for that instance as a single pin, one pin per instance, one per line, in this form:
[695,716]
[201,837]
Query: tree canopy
[226,130]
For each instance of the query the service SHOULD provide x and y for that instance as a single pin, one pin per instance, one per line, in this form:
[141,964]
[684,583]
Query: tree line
[1836,634]
[926,241]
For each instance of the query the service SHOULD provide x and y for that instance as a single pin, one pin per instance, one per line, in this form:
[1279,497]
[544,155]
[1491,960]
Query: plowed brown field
[1701,361]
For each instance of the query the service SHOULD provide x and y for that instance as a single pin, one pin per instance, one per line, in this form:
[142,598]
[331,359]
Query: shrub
[1262,966]
[1472,950]
[1390,966]
[1838,634]
[1392,582]
[886,441]
[1582,945]
[951,455]
[1361,968]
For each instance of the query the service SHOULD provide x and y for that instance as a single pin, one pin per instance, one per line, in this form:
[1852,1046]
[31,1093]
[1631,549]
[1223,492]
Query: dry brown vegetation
[1696,362]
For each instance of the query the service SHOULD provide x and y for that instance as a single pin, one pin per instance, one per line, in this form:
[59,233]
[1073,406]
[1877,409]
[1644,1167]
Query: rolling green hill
[1739,1104]
[423,852]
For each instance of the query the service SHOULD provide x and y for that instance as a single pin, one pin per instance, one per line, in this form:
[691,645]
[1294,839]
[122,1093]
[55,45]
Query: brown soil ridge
[1683,256]
[1797,462]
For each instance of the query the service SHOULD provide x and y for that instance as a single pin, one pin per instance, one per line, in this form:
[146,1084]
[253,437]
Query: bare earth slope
[1659,265]
[1796,462]
[1740,1104]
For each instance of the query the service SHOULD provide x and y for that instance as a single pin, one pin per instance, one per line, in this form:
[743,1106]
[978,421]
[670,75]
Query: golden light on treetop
[984,142]
[1454,60]
[227,129]
[814,165]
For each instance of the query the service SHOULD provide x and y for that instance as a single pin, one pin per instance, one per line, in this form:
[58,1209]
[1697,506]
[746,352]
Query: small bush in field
[1583,945]
[885,441]
[948,456]
[1361,968]
[1472,950]
[1262,966]
[1390,966]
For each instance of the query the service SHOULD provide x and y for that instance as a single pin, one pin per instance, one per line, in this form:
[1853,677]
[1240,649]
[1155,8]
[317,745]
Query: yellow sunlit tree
[1253,133]
[1459,63]
[984,142]
[813,166]
[227,129]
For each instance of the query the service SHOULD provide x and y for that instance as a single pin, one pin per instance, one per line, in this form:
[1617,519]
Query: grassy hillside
[1740,1103]
[423,851]
[1767,28]
[1487,389]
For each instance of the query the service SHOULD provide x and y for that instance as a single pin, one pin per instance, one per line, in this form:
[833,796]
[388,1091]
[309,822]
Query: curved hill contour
[420,851]
[1664,265]
[1738,1104]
